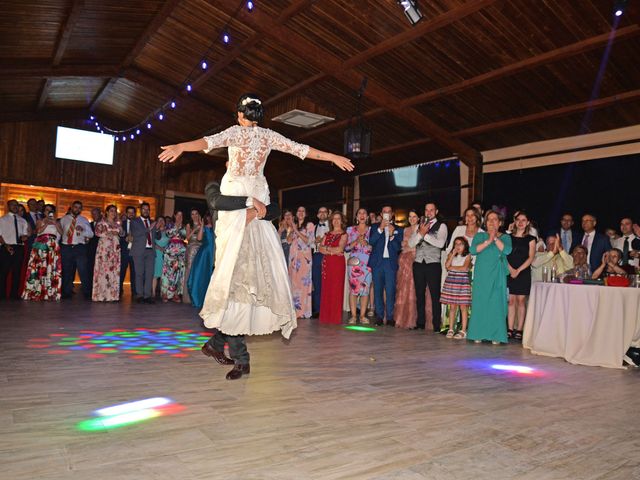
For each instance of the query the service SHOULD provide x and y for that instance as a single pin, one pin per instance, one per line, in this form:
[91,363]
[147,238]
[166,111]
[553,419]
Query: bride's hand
[170,153]
[251,215]
[343,163]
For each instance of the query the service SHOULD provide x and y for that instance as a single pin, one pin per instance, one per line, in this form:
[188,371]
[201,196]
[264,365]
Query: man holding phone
[386,240]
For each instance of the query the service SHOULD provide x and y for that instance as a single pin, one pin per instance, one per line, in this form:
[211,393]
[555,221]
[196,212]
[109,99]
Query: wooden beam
[67,29]
[153,26]
[582,46]
[547,114]
[421,29]
[629,96]
[54,114]
[21,70]
[102,93]
[44,93]
[517,67]
[328,63]
[249,43]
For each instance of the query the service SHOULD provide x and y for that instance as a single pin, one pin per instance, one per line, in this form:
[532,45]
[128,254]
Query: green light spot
[359,328]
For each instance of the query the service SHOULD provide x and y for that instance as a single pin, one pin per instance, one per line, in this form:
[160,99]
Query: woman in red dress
[333,270]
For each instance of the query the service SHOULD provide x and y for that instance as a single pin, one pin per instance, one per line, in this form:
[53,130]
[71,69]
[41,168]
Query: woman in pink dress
[333,270]
[300,256]
[404,312]
[106,273]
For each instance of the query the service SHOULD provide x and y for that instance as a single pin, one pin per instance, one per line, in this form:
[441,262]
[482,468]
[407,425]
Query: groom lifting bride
[249,293]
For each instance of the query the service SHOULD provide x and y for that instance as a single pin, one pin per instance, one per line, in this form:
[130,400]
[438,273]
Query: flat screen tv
[84,146]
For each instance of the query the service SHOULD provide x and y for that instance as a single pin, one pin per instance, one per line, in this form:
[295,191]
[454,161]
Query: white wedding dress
[249,292]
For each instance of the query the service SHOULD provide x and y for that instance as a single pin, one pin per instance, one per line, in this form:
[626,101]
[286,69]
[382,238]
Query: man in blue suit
[595,243]
[386,240]
[568,236]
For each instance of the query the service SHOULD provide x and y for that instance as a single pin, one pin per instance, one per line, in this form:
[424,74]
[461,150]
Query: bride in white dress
[249,293]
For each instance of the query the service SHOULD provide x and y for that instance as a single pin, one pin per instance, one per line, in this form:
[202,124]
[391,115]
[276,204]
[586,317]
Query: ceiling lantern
[357,136]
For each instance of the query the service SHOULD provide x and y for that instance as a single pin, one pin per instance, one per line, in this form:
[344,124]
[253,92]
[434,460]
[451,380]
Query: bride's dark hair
[251,106]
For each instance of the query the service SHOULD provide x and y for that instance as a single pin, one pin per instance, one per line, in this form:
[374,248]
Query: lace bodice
[249,148]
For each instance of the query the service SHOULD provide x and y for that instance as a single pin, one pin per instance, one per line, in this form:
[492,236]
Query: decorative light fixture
[226,38]
[250,6]
[620,7]
[411,10]
[204,64]
[357,137]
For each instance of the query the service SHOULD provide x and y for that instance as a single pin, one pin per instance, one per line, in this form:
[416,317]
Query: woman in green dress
[489,293]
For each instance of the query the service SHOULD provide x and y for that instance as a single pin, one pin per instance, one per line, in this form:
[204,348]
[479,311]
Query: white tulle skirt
[249,292]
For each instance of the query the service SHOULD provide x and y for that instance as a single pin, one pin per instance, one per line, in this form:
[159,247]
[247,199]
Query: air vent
[302,119]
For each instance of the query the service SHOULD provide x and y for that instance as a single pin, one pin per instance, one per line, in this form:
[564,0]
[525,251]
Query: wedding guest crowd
[472,284]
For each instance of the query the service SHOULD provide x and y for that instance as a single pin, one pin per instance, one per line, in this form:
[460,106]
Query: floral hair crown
[248,100]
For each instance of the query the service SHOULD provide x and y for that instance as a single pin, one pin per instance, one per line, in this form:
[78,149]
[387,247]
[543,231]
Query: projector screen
[74,144]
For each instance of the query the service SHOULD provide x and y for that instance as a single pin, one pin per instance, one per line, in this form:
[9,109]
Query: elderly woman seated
[554,256]
[610,265]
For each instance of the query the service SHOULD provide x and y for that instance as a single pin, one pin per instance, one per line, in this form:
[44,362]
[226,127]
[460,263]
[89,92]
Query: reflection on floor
[331,403]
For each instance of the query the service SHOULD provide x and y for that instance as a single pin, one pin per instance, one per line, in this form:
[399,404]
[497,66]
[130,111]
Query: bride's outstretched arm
[342,163]
[170,153]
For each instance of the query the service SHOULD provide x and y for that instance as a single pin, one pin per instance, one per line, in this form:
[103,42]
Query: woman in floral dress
[358,272]
[300,256]
[43,279]
[106,273]
[173,265]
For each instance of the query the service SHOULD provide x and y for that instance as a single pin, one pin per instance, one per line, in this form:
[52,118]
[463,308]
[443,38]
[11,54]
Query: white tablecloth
[584,324]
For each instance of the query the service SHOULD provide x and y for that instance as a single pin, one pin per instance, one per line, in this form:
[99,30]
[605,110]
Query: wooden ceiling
[472,75]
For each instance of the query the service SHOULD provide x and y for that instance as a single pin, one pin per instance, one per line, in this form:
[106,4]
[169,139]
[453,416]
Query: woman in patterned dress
[44,270]
[358,271]
[300,256]
[173,261]
[106,272]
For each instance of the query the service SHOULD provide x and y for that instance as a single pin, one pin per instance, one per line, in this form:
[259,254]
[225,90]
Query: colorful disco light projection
[506,369]
[359,328]
[129,413]
[139,344]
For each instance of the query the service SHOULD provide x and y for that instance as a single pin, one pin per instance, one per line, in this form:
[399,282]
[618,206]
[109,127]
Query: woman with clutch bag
[358,271]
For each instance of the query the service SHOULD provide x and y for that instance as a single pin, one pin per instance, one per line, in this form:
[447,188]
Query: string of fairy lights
[160,113]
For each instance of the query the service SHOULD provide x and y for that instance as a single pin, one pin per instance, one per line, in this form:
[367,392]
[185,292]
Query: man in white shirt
[321,228]
[76,232]
[595,243]
[625,243]
[429,240]
[555,255]
[14,232]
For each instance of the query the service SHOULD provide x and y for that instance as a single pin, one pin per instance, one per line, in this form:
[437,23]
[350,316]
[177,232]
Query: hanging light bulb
[124,139]
[148,125]
[250,6]
[92,117]
[204,64]
[117,139]
[161,116]
[173,104]
[132,136]
[137,131]
[225,38]
[189,87]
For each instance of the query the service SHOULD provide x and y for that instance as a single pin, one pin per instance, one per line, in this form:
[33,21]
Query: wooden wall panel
[27,156]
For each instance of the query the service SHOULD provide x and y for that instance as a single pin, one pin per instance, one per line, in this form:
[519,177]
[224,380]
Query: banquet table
[584,324]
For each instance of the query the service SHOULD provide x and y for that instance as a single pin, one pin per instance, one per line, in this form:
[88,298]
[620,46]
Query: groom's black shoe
[219,357]
[238,371]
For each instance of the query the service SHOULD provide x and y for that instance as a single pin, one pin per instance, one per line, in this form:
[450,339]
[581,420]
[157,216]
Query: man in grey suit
[143,254]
